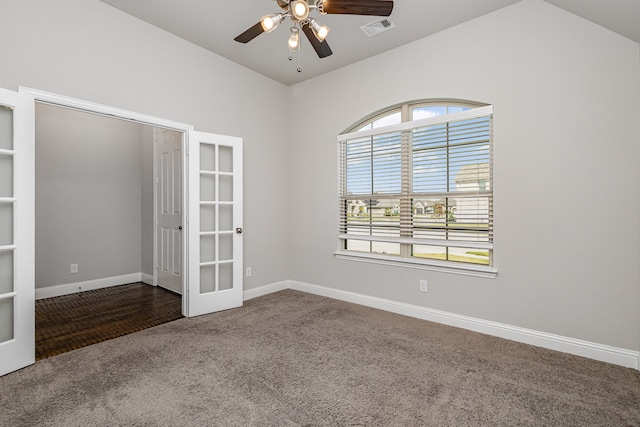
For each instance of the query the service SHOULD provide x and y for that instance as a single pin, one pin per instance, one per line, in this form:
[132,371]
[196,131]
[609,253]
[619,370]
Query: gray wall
[94,197]
[88,196]
[567,190]
[91,51]
[146,200]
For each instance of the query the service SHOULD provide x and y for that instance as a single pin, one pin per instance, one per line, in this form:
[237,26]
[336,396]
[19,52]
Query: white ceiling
[213,25]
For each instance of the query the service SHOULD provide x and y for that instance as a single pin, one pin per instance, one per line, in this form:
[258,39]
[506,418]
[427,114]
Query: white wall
[567,190]
[91,51]
[88,196]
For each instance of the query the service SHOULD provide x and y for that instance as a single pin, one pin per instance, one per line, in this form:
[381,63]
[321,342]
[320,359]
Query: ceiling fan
[298,11]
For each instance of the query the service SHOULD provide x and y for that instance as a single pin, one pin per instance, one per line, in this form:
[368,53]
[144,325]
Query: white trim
[147,278]
[132,116]
[265,290]
[8,295]
[92,107]
[475,270]
[591,350]
[89,285]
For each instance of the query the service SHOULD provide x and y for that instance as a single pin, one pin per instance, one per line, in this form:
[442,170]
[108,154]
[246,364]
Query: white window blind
[420,190]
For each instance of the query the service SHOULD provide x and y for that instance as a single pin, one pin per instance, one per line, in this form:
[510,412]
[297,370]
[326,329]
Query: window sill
[433,265]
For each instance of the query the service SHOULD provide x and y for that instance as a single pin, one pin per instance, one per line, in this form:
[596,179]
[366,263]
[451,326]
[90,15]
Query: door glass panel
[226,276]
[216,218]
[6,272]
[207,188]
[6,224]
[226,247]
[207,218]
[226,217]
[6,319]
[207,248]
[207,278]
[6,176]
[226,159]
[207,157]
[6,128]
[226,188]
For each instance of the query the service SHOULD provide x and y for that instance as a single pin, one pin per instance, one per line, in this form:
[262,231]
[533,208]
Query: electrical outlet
[423,286]
[248,272]
[74,268]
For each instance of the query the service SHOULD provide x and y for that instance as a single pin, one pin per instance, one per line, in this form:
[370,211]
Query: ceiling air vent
[377,27]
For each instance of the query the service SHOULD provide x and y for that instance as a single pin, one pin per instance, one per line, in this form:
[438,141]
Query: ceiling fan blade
[358,7]
[321,47]
[250,34]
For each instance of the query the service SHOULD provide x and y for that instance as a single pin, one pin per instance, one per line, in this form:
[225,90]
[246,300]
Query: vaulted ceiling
[214,24]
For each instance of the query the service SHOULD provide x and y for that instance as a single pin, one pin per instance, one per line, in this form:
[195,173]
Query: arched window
[421,173]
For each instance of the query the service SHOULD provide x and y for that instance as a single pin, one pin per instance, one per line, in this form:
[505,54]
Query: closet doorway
[211,203]
[96,221]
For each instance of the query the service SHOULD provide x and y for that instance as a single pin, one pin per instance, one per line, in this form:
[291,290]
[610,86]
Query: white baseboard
[601,352]
[72,288]
[146,278]
[265,290]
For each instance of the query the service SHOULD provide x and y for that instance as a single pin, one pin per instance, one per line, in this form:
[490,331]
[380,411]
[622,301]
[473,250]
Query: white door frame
[91,107]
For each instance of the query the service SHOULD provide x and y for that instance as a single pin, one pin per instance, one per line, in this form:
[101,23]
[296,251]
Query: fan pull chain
[291,51]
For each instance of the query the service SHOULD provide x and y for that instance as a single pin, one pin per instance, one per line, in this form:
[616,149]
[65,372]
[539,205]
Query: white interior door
[215,223]
[168,179]
[17,231]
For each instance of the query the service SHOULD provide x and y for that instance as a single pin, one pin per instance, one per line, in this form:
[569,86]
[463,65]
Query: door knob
[180,227]
[239,230]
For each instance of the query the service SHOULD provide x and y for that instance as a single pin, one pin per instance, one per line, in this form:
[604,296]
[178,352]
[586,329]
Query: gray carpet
[294,359]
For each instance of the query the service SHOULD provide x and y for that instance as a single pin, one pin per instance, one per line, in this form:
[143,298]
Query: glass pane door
[7,205]
[17,293]
[215,235]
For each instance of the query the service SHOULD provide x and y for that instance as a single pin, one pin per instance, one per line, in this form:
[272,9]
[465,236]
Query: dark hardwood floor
[73,321]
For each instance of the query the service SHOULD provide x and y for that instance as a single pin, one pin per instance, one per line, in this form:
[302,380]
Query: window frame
[405,239]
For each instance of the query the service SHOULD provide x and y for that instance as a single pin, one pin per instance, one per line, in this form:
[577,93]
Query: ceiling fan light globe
[319,29]
[300,9]
[294,39]
[271,22]
[322,33]
[293,45]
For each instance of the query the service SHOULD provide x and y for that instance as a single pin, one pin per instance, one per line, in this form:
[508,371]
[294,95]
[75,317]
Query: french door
[215,223]
[17,231]
[212,257]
